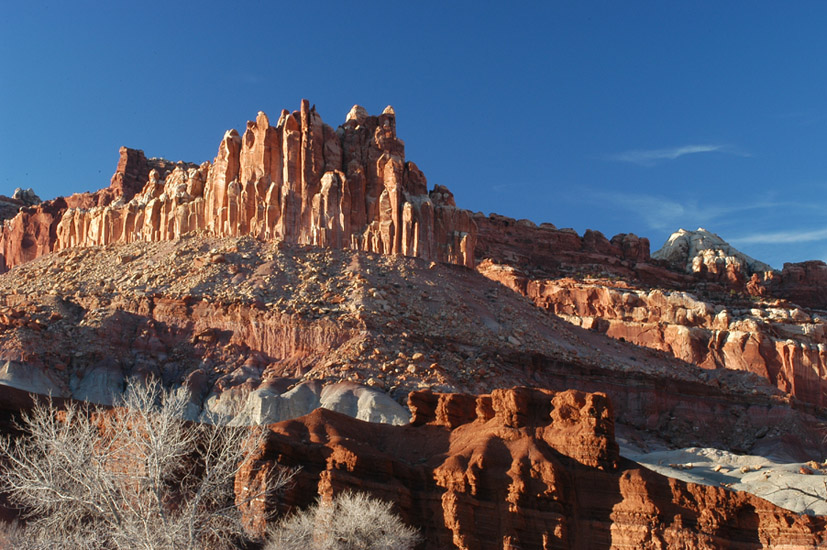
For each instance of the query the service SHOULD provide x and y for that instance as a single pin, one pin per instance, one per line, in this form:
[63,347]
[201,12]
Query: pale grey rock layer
[688,250]
[237,406]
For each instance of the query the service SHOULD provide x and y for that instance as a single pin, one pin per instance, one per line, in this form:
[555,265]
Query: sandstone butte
[297,181]
[199,273]
[300,181]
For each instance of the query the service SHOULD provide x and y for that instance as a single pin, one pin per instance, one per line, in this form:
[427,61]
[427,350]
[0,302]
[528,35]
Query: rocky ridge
[723,314]
[298,181]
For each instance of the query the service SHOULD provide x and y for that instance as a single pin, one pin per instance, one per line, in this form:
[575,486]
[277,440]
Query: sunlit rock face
[516,468]
[297,180]
[705,253]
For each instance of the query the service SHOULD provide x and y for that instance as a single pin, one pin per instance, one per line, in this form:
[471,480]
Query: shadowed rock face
[518,468]
[297,181]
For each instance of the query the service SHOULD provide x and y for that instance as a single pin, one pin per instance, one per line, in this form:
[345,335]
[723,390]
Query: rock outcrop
[804,283]
[702,301]
[549,251]
[297,180]
[709,257]
[782,343]
[519,468]
[32,232]
[239,324]
[10,206]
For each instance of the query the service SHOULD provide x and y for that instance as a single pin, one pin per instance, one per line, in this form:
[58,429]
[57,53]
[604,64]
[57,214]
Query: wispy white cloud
[783,237]
[650,157]
[801,118]
[664,213]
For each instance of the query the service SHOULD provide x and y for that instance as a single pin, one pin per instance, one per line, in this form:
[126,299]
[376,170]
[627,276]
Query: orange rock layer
[299,181]
[607,286]
[519,468]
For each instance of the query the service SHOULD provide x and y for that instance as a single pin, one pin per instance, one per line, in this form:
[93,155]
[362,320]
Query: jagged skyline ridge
[607,117]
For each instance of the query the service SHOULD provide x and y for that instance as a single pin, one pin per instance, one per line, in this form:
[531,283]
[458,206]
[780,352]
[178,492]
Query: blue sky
[618,116]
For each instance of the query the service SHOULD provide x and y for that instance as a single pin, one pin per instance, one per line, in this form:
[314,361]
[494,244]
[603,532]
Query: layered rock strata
[782,343]
[297,180]
[240,324]
[519,468]
[684,303]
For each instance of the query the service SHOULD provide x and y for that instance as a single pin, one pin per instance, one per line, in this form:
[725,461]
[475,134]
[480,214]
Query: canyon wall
[299,181]
[518,468]
[697,299]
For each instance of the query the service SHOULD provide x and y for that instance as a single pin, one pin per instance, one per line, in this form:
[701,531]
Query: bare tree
[135,477]
[351,521]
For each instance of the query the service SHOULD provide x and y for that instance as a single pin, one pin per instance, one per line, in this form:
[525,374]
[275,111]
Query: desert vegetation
[137,477]
[351,521]
[134,477]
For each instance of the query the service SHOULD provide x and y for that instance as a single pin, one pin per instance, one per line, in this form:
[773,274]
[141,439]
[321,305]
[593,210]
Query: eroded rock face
[708,256]
[551,251]
[518,468]
[32,231]
[781,343]
[697,298]
[804,283]
[10,206]
[297,180]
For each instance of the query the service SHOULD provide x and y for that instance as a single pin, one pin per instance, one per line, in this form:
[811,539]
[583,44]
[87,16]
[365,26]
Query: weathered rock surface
[685,304]
[550,252]
[708,256]
[297,180]
[779,342]
[10,206]
[519,468]
[803,283]
[226,318]
[796,486]
[32,232]
[267,405]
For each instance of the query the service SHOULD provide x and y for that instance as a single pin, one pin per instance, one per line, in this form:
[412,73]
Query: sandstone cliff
[699,299]
[519,468]
[297,181]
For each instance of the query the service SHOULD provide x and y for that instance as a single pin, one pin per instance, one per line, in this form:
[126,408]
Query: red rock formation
[781,343]
[545,251]
[298,181]
[33,231]
[519,468]
[614,287]
[804,283]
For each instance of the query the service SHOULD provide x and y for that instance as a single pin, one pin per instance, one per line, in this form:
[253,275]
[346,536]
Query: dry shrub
[351,521]
[136,477]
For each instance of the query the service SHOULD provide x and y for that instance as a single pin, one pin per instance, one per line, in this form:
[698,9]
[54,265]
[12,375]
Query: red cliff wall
[519,468]
[298,180]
